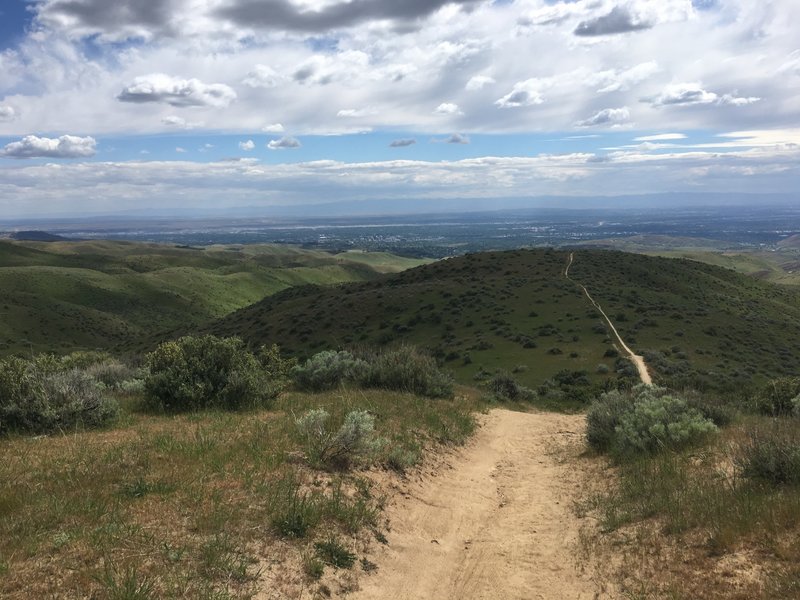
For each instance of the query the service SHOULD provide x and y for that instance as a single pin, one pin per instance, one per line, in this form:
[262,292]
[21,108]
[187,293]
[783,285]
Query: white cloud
[458,138]
[180,150]
[284,143]
[659,137]
[478,82]
[263,76]
[683,94]
[734,100]
[356,113]
[614,80]
[608,117]
[158,87]
[247,146]
[402,143]
[273,128]
[66,146]
[7,113]
[448,108]
[524,93]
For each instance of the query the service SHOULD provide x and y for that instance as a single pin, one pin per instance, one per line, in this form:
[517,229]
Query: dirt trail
[496,523]
[637,360]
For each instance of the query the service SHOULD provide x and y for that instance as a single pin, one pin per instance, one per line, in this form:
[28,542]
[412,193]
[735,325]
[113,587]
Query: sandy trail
[637,360]
[496,523]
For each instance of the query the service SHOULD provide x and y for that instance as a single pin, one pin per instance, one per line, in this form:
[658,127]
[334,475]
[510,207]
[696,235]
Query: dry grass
[192,506]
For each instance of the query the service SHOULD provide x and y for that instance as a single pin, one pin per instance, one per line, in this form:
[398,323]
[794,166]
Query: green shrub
[329,369]
[406,369]
[112,373]
[194,373]
[41,396]
[332,552]
[776,398]
[324,447]
[720,411]
[603,418]
[646,419]
[504,387]
[772,454]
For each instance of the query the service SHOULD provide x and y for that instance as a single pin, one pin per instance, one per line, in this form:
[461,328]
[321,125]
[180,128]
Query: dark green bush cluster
[772,454]
[503,387]
[779,397]
[647,419]
[194,373]
[41,395]
[404,369]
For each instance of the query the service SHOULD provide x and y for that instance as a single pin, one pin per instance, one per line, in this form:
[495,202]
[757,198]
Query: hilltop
[694,323]
[58,296]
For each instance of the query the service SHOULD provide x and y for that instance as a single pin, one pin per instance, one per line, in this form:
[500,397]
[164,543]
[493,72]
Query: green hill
[60,296]
[696,323]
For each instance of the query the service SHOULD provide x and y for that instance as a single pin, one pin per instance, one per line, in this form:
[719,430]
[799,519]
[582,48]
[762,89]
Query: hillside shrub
[114,374]
[41,396]
[772,454]
[646,419]
[329,369]
[503,387]
[339,449]
[194,373]
[406,369]
[776,397]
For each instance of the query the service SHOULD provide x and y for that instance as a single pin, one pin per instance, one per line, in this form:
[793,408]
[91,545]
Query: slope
[694,323]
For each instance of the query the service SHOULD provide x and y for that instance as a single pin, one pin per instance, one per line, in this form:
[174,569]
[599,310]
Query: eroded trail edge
[496,521]
[636,359]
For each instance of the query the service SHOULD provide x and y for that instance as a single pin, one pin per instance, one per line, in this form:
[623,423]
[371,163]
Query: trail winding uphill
[637,360]
[496,523]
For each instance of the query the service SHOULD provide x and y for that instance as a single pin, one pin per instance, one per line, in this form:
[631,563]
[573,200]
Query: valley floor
[497,521]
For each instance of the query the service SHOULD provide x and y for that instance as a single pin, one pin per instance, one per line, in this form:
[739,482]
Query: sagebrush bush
[194,373]
[324,447]
[503,387]
[406,369]
[329,369]
[41,396]
[646,419]
[112,373]
[776,397]
[772,454]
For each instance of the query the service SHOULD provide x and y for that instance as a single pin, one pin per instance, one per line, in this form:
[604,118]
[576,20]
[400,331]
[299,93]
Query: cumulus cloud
[478,82]
[262,76]
[286,15]
[524,93]
[448,108]
[158,87]
[457,138]
[284,143]
[247,146]
[403,143]
[7,113]
[66,146]
[685,94]
[607,117]
[273,128]
[619,20]
[614,80]
[180,150]
[179,122]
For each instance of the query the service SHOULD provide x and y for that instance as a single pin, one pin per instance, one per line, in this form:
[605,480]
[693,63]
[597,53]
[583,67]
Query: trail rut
[496,523]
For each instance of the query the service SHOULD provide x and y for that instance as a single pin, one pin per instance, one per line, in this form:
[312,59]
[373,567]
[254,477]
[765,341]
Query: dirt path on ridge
[637,360]
[495,523]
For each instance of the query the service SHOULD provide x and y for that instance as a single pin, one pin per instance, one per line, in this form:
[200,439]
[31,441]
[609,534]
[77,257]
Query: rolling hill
[695,323]
[62,296]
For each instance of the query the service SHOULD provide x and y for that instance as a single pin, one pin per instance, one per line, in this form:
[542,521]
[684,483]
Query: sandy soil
[496,522]
[637,360]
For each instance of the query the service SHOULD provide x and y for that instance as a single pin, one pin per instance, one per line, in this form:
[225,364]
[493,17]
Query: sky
[143,105]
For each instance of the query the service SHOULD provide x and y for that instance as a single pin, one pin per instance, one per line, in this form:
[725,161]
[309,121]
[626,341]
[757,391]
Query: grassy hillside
[697,323]
[65,295]
[777,265]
